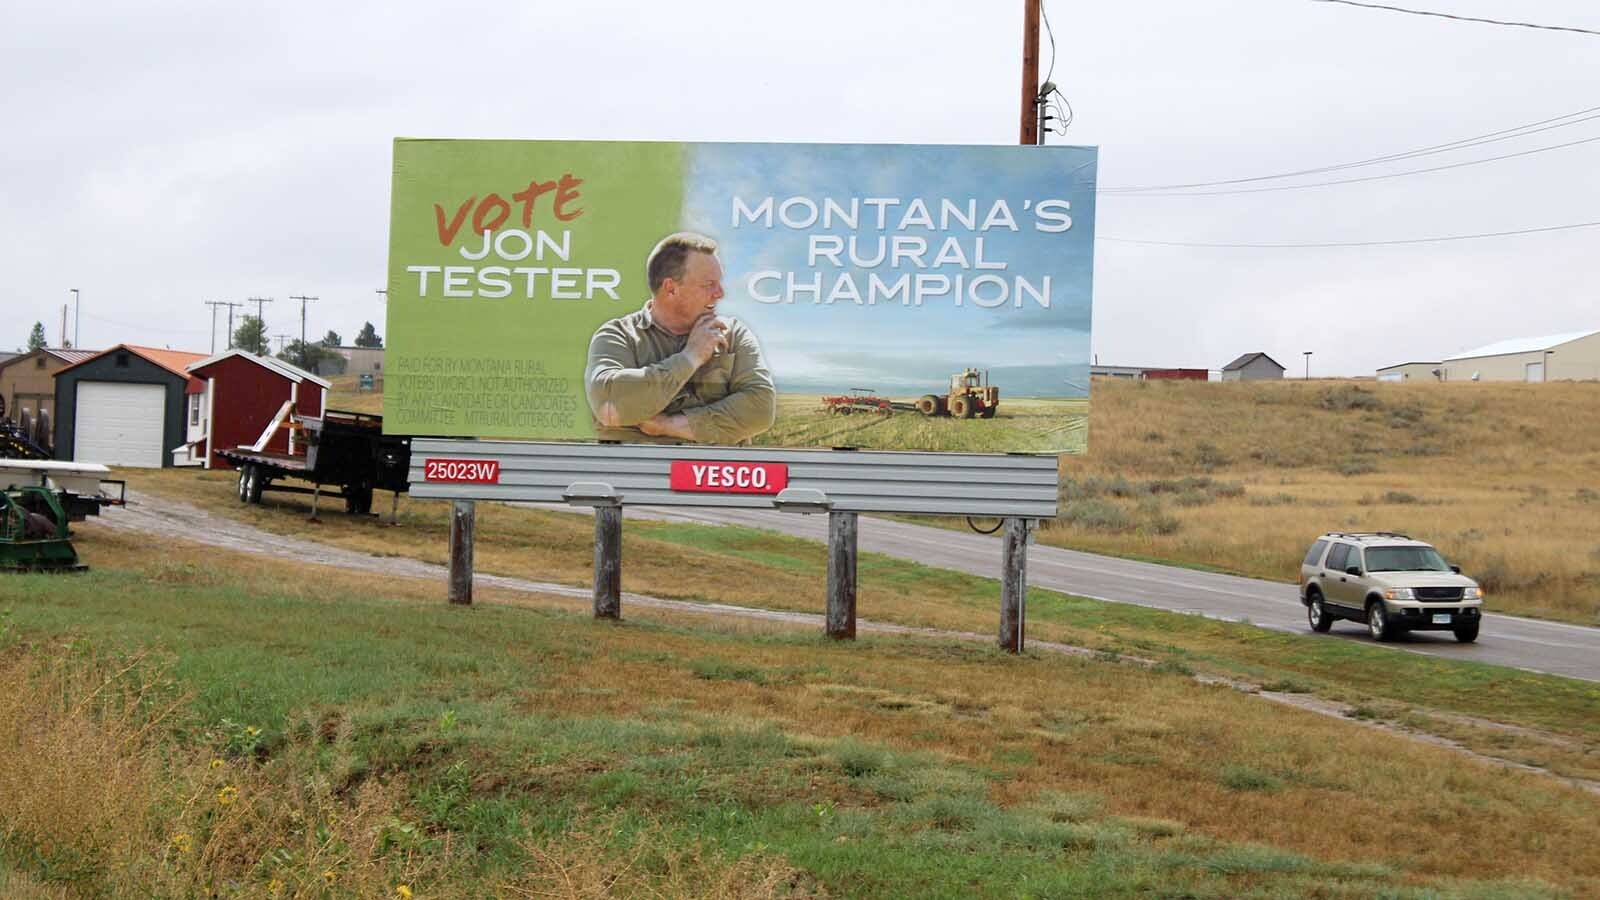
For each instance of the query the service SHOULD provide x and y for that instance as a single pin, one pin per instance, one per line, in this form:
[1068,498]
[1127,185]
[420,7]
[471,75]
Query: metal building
[1411,371]
[1252,367]
[123,406]
[28,387]
[1574,356]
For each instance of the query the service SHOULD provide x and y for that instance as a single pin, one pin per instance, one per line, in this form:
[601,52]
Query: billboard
[890,297]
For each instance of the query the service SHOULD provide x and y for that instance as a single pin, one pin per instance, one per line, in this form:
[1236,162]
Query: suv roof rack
[1370,534]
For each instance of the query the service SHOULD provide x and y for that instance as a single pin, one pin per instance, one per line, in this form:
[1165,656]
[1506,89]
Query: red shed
[236,395]
[1176,374]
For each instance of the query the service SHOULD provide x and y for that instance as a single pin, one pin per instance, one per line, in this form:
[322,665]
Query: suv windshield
[1405,559]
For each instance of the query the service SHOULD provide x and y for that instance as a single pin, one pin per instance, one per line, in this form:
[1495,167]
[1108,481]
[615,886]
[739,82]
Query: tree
[332,339]
[368,337]
[313,358]
[251,335]
[36,337]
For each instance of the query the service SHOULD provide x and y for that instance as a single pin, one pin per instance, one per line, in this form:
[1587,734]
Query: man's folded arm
[749,408]
[623,395]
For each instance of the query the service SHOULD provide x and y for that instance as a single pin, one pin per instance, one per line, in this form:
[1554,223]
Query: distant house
[1574,356]
[233,398]
[28,386]
[1252,367]
[123,406]
[360,361]
[1410,371]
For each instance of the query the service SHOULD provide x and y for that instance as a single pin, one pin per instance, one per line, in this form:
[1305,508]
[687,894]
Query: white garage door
[120,424]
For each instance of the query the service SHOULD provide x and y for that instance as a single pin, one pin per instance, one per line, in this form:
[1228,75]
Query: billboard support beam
[608,560]
[842,575]
[463,521]
[1013,584]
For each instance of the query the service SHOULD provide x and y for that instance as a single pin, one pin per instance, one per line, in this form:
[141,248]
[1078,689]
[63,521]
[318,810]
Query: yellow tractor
[970,395]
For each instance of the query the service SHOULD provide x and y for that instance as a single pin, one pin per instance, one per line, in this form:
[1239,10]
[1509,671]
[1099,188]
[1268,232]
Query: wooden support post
[1013,584]
[1030,73]
[608,561]
[394,510]
[463,518]
[316,494]
[842,575]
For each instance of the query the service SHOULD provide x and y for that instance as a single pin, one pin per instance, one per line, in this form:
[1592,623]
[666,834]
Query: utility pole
[214,304]
[282,339]
[77,333]
[258,301]
[231,306]
[1307,354]
[1030,72]
[303,300]
[64,341]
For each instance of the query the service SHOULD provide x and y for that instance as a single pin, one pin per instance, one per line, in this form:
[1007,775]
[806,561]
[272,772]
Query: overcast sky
[158,155]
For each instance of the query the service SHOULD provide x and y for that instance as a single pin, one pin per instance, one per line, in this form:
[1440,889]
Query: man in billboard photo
[674,371]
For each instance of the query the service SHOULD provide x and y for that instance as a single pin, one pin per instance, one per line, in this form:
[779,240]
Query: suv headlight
[1399,594]
[1472,593]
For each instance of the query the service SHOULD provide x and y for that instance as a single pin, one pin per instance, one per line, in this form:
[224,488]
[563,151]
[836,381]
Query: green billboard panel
[798,295]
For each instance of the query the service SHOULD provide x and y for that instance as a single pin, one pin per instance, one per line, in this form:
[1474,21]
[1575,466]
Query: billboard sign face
[892,297]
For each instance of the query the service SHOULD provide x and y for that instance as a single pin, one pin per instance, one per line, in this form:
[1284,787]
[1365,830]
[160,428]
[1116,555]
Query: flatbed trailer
[343,450]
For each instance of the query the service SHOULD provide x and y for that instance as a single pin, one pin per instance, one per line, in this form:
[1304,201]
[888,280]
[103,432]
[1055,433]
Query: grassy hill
[201,722]
[1503,478]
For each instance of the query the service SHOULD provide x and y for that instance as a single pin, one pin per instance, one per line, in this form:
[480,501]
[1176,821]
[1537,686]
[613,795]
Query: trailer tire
[244,484]
[358,500]
[257,483]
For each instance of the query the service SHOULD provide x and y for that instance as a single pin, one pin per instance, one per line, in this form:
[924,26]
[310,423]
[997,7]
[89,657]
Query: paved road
[1551,647]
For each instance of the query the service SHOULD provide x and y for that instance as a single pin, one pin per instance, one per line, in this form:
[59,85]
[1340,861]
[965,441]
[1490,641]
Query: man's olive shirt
[640,369]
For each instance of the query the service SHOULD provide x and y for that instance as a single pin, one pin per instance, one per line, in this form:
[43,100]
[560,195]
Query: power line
[1296,187]
[1440,15]
[1425,240]
[1462,144]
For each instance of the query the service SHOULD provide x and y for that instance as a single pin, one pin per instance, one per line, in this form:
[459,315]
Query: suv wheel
[1317,614]
[1466,634]
[1378,621]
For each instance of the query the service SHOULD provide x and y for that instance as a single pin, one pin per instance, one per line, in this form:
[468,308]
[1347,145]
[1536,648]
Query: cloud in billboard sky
[835,344]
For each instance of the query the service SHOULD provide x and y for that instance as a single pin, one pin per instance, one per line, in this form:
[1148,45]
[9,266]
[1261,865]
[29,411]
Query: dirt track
[175,519]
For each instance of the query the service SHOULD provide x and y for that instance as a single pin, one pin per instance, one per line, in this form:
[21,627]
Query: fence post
[608,560]
[463,518]
[1013,584]
[842,575]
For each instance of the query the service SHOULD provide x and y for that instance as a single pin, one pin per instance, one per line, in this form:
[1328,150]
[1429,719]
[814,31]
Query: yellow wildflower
[402,891]
[328,875]
[216,764]
[251,730]
[182,842]
[274,887]
[227,795]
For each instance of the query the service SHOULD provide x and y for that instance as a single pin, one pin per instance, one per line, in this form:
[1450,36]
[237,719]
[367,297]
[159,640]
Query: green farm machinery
[33,532]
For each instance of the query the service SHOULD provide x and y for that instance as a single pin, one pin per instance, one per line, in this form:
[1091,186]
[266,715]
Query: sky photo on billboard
[798,295]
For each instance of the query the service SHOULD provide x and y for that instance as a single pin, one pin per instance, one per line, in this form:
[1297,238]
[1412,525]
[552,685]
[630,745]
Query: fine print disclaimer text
[508,393]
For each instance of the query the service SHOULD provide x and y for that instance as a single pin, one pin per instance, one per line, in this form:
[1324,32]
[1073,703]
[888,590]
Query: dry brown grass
[571,870]
[92,786]
[1502,478]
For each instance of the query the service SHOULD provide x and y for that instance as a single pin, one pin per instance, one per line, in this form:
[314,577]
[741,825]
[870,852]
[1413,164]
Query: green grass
[1342,670]
[486,716]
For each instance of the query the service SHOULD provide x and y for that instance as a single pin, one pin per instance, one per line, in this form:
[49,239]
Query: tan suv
[1390,582]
